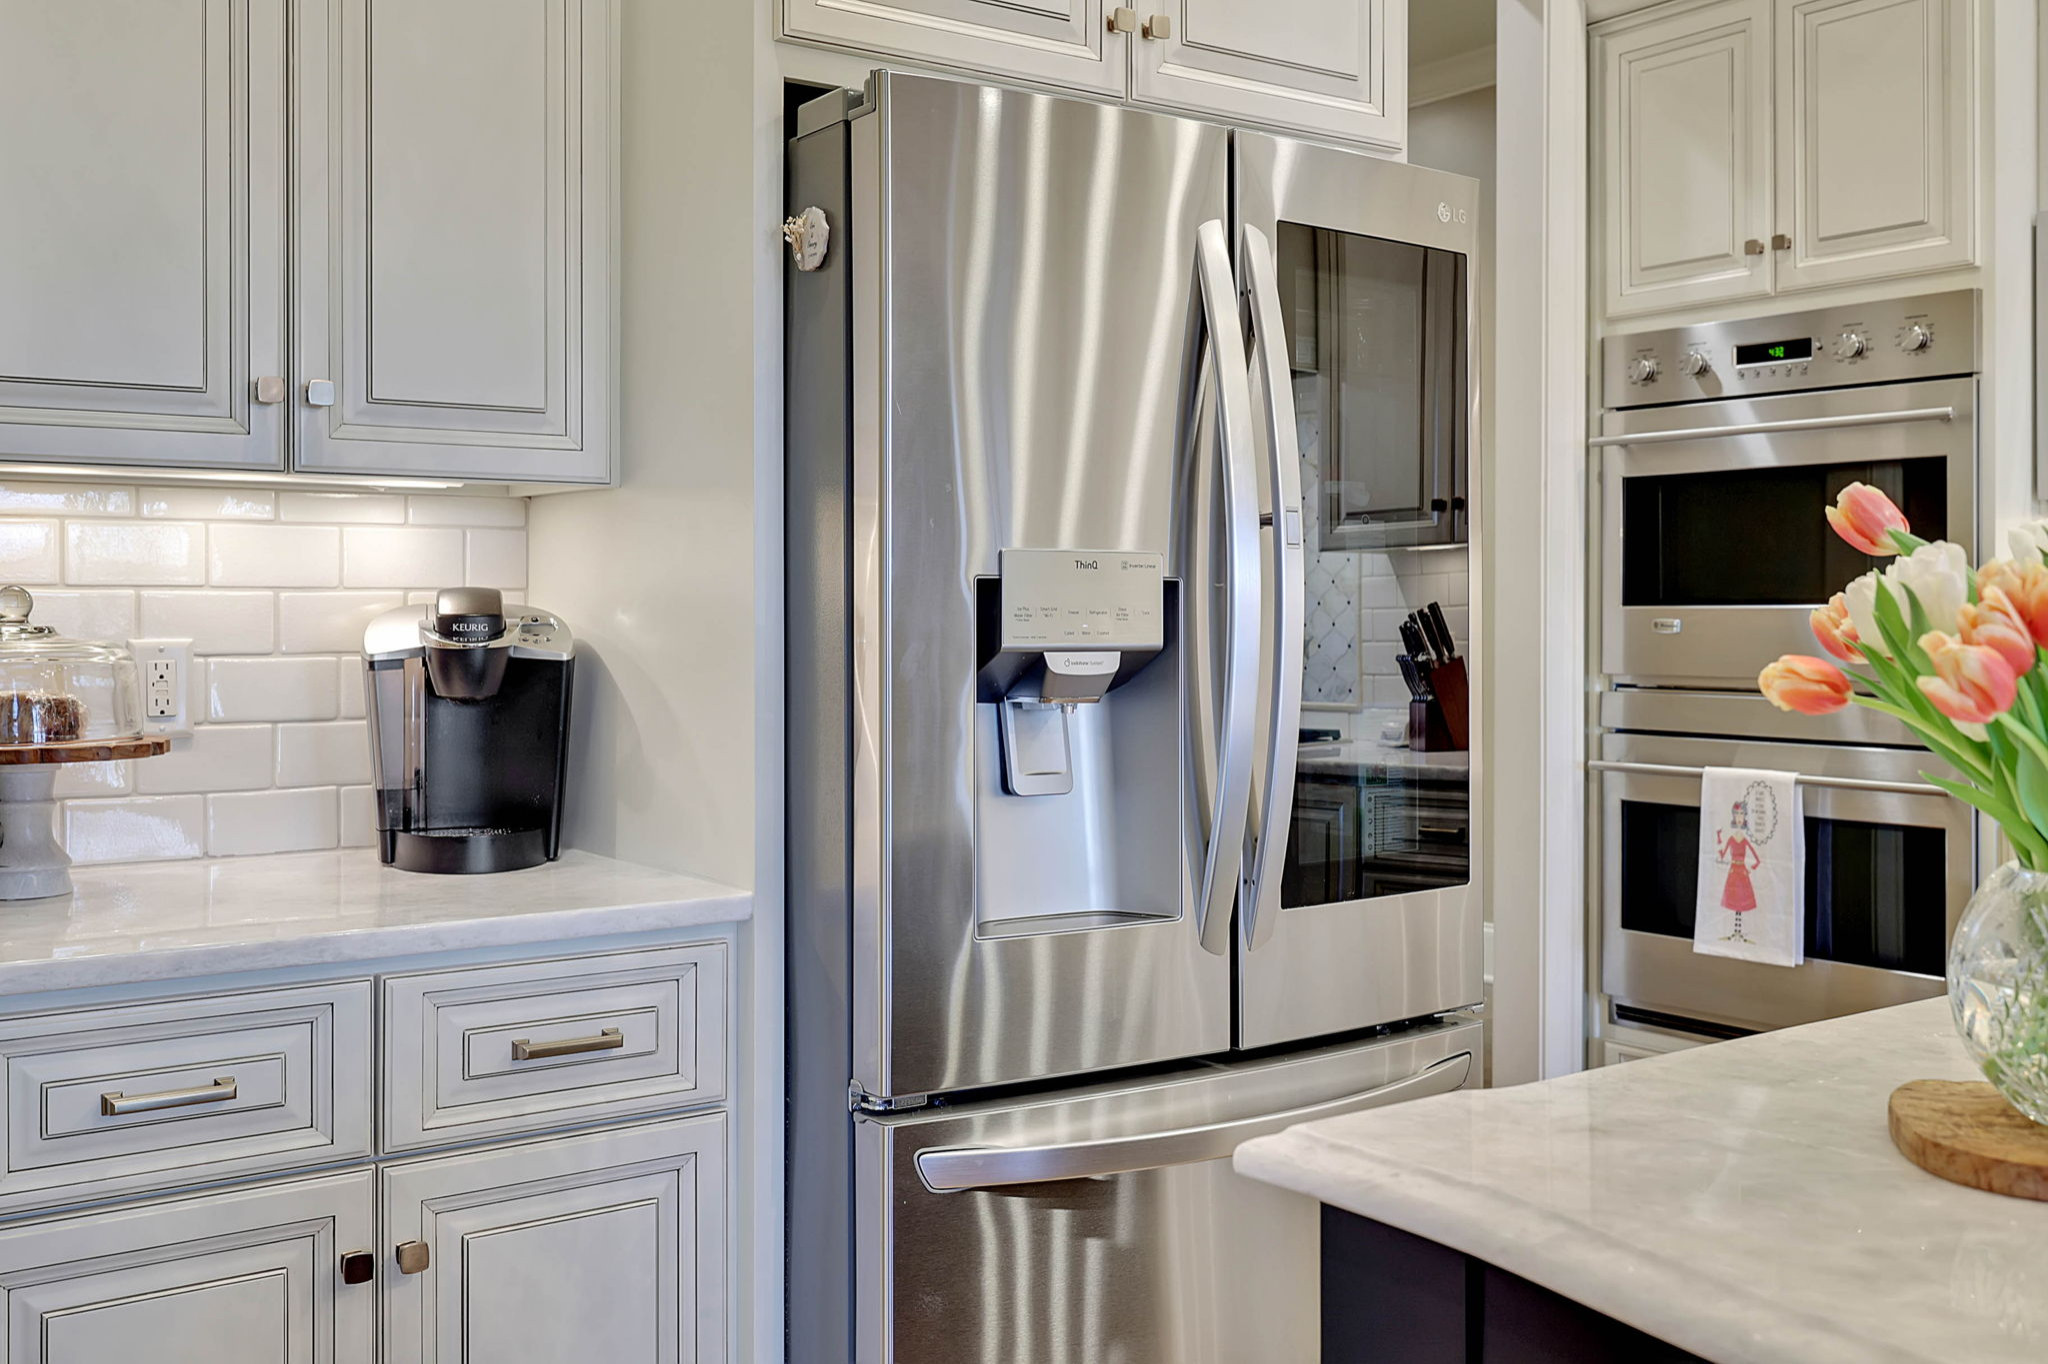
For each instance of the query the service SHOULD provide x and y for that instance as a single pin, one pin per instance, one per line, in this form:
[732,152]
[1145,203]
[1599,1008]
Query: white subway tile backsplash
[137,553]
[377,556]
[465,511]
[216,622]
[272,822]
[209,504]
[271,689]
[352,683]
[342,509]
[107,614]
[28,551]
[273,556]
[331,754]
[497,558]
[329,622]
[135,829]
[358,816]
[213,758]
[95,779]
[66,499]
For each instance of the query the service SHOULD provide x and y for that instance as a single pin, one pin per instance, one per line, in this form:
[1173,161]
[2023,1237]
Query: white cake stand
[33,863]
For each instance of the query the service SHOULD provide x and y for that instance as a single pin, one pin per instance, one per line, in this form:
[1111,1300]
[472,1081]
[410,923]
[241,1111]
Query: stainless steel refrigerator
[1119,445]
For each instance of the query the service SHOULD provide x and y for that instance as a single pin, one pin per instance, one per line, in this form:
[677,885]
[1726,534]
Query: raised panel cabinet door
[142,231]
[1059,42]
[1681,166]
[606,1245]
[1876,144]
[1334,68]
[453,238]
[245,1276]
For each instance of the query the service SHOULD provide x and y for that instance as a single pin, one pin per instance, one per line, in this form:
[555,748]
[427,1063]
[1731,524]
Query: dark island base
[1390,1297]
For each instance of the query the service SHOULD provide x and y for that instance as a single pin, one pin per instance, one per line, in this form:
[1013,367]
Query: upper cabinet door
[454,238]
[1876,157]
[1336,68]
[142,221]
[1060,42]
[1682,164]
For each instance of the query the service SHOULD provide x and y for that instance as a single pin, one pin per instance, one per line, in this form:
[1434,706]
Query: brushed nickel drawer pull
[114,1103]
[525,1049]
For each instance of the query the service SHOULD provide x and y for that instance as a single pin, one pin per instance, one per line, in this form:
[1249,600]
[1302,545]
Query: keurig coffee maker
[469,732]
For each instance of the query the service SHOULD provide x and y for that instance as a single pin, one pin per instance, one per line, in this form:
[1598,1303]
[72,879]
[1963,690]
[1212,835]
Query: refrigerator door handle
[1273,801]
[955,1169]
[1215,313]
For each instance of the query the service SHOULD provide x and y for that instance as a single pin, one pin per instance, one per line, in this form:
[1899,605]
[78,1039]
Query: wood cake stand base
[33,863]
[1965,1131]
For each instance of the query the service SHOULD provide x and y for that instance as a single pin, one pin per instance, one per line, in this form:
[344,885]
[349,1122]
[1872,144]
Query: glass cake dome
[55,690]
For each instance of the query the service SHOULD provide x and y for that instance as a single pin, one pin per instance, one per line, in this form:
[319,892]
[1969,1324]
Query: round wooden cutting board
[1965,1131]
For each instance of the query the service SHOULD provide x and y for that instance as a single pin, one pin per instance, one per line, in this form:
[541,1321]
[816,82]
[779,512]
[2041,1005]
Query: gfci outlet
[164,668]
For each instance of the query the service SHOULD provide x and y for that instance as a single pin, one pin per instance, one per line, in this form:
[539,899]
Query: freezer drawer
[1105,1225]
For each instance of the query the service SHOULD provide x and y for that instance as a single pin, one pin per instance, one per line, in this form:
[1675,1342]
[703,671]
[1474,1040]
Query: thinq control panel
[1083,599]
[1924,337]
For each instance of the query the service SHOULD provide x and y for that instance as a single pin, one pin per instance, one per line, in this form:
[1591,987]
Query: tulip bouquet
[1948,651]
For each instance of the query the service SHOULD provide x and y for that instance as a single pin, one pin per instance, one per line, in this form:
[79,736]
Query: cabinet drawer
[141,1096]
[489,1050]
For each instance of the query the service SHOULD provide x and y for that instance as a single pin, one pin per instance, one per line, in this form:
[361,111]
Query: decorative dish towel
[1752,867]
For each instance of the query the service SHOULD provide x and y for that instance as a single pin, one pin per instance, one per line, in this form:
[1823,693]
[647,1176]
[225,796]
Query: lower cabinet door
[247,1276]
[605,1246]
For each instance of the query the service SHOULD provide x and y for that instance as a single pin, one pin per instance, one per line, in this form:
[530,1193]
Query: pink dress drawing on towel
[1738,894]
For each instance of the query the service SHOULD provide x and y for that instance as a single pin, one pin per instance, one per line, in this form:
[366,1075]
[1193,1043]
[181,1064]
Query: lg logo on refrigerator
[1445,213]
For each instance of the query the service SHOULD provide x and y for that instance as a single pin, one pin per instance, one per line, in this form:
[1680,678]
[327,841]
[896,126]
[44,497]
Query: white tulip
[2029,542]
[1861,595]
[1938,574]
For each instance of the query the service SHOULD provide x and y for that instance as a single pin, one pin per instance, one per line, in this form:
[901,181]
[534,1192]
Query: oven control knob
[1644,370]
[1916,337]
[1849,345]
[1694,364]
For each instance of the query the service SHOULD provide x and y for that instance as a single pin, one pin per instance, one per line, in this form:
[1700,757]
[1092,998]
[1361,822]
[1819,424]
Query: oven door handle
[1911,414]
[1904,788]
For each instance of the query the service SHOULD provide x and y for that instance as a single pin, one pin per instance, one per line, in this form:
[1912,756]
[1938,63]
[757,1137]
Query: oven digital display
[1774,352]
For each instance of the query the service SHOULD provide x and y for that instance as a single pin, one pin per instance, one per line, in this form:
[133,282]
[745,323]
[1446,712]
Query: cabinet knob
[1753,247]
[270,388]
[358,1266]
[1159,26]
[413,1257]
[1780,242]
[320,392]
[1123,20]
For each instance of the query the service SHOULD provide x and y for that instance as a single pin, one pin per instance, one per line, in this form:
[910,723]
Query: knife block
[1453,691]
[1427,732]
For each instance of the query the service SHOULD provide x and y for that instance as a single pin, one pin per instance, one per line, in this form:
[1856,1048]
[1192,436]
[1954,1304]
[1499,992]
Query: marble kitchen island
[1741,1202]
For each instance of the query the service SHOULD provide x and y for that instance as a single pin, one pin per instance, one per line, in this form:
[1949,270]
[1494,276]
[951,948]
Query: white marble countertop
[157,921]
[1742,1201]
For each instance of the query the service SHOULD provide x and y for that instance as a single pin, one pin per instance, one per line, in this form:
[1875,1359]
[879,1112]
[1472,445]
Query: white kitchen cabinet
[1059,42]
[1682,155]
[454,234]
[601,1246]
[1875,160]
[1338,68]
[142,231]
[245,1276]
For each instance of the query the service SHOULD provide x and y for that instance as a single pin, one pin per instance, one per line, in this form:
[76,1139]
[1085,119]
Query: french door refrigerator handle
[959,1168]
[1215,298]
[1273,803]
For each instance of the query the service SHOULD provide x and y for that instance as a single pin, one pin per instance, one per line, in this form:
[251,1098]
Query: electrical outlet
[165,668]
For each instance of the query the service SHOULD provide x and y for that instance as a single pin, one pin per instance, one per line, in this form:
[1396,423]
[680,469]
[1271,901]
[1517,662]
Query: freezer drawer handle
[1911,414]
[1904,788]
[115,1104]
[989,1167]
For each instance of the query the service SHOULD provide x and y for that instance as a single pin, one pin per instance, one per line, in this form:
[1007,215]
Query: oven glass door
[1887,876]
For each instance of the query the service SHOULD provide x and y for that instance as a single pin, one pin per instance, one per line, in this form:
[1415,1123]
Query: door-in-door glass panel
[1376,338]
[1676,547]
[1875,894]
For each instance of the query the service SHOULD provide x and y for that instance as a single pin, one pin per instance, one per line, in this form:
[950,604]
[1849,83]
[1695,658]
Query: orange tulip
[1811,686]
[2025,586]
[1995,623]
[1835,631]
[1972,684]
[1865,518]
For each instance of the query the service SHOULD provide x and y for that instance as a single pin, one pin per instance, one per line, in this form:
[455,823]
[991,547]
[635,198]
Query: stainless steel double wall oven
[1719,451]
[1093,414]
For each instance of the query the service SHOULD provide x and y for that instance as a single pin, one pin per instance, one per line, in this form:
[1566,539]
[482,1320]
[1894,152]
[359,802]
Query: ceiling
[1444,28]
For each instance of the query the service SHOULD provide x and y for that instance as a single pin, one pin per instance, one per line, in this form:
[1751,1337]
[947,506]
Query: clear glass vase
[1998,985]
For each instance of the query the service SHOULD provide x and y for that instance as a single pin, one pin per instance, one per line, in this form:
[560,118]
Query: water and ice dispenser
[1078,727]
